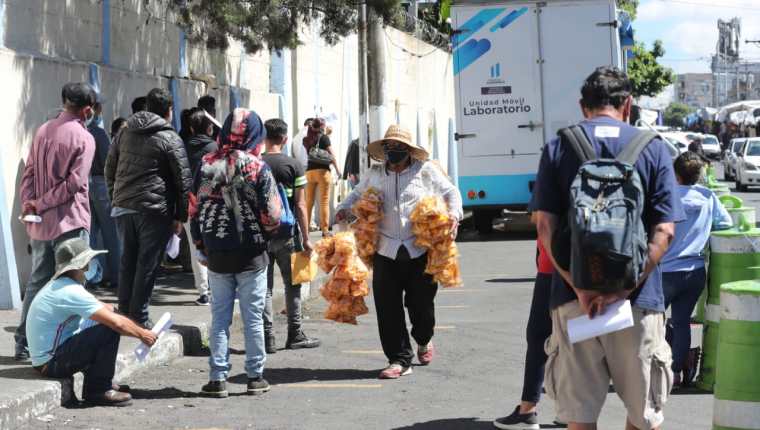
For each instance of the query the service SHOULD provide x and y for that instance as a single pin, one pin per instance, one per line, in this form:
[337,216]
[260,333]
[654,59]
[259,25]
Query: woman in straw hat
[399,278]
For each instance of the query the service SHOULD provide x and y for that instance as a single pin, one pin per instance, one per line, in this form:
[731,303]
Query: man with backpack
[605,242]
[292,237]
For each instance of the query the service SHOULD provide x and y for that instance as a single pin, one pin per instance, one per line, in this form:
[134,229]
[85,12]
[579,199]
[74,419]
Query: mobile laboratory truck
[518,68]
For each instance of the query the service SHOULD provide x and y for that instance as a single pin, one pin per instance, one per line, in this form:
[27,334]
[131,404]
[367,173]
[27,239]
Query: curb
[38,397]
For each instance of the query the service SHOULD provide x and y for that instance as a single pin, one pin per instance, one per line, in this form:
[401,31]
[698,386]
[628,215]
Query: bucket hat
[397,134]
[73,254]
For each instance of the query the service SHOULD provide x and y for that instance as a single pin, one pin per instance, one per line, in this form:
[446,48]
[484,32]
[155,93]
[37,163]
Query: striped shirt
[401,193]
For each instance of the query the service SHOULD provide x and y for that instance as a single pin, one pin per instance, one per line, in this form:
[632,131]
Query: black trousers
[92,352]
[395,284]
[144,238]
[539,329]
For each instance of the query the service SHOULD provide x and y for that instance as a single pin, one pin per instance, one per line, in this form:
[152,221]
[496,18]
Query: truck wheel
[483,221]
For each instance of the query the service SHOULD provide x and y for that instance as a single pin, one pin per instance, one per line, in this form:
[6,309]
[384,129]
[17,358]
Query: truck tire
[483,221]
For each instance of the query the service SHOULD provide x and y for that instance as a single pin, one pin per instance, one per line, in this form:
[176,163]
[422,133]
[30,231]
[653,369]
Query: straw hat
[73,254]
[396,134]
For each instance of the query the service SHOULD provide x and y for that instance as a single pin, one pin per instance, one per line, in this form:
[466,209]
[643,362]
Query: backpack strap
[630,154]
[576,137]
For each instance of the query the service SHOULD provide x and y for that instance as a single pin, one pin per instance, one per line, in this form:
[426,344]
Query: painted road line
[452,307]
[461,290]
[363,352]
[444,327]
[318,385]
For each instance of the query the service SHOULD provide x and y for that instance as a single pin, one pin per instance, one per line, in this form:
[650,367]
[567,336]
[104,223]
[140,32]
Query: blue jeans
[103,234]
[682,291]
[538,330]
[43,269]
[251,289]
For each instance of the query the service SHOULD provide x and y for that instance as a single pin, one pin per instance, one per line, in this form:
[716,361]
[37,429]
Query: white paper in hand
[172,248]
[164,323]
[617,316]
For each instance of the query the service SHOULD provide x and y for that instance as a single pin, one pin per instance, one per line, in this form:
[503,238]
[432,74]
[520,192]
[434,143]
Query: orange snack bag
[431,227]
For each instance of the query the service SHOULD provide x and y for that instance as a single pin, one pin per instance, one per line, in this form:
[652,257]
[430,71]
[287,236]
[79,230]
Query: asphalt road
[476,376]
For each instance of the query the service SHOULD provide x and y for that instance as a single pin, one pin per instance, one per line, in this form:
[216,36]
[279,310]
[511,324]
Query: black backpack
[603,241]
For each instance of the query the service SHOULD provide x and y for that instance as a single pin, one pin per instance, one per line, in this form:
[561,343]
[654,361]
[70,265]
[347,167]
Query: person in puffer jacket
[148,179]
[234,207]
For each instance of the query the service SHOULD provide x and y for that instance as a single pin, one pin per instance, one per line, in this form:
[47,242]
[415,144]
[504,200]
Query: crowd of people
[244,204]
[247,206]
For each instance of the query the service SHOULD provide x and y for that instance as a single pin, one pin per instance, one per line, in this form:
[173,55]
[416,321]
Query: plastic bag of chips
[347,285]
[369,212]
[431,225]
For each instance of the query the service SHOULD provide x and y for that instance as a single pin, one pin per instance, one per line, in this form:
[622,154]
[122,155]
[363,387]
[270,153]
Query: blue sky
[689,30]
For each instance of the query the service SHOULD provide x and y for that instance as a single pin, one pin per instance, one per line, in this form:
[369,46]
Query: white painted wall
[47,43]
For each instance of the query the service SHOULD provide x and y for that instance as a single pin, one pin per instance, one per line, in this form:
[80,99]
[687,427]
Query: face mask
[396,156]
[88,119]
[92,271]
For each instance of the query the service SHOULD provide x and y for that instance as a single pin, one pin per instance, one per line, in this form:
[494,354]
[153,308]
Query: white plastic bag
[172,248]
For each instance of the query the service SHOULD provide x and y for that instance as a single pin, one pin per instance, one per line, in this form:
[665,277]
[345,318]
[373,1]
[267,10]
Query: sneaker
[203,300]
[22,353]
[299,340]
[395,371]
[425,353]
[269,343]
[258,385]
[217,389]
[518,421]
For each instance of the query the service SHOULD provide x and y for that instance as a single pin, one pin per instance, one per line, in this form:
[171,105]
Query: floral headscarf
[242,130]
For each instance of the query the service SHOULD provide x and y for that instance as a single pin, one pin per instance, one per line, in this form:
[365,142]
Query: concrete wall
[46,43]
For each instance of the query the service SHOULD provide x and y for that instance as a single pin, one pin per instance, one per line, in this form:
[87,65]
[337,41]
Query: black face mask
[396,156]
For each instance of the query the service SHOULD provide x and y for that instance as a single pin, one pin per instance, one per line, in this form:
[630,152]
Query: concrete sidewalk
[26,396]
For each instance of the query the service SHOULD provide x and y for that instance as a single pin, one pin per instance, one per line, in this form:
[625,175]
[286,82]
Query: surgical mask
[92,271]
[396,156]
[88,119]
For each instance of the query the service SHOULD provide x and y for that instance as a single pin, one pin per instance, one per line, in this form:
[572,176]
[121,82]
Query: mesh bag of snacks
[346,286]
[369,212]
[431,225]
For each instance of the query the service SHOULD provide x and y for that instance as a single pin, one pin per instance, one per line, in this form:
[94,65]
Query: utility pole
[376,75]
[363,103]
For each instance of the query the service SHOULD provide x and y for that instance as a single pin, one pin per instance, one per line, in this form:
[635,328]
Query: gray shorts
[636,359]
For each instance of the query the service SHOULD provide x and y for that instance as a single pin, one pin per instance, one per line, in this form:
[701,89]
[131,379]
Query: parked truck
[518,68]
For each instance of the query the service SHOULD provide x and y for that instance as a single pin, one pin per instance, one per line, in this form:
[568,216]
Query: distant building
[735,80]
[695,89]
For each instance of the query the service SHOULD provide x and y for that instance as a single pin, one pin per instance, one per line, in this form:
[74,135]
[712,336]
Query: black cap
[78,94]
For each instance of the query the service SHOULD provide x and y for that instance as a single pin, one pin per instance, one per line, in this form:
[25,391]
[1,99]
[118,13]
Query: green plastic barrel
[720,190]
[734,256]
[737,380]
[748,213]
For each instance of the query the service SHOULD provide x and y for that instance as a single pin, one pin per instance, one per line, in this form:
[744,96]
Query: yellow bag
[303,267]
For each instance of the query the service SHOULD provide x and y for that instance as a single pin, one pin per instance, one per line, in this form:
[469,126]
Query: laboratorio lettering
[497,107]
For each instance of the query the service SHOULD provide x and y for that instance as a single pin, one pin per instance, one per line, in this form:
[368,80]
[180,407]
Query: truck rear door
[498,84]
[576,37]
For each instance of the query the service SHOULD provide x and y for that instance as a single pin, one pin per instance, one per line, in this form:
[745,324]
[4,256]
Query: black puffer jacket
[147,168]
[197,147]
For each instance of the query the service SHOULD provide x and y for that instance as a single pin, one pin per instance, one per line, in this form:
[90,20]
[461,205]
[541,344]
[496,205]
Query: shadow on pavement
[449,423]
[292,375]
[10,361]
[164,393]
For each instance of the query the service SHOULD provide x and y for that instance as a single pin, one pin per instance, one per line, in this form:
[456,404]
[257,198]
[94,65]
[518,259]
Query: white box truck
[518,68]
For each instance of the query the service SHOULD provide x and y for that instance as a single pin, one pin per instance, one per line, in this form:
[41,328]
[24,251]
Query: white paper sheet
[617,316]
[164,323]
[172,248]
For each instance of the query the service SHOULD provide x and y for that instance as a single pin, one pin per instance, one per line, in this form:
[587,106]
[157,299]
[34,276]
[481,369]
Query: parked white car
[748,165]
[678,139]
[731,156]
[711,146]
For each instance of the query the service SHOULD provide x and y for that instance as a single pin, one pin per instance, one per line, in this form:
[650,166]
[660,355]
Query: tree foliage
[648,76]
[675,114]
[629,6]
[274,23]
